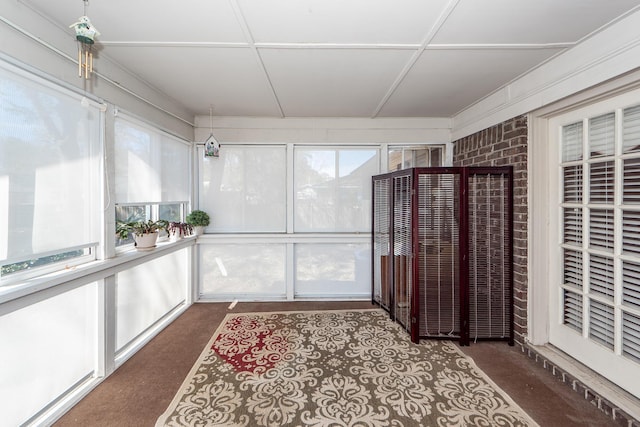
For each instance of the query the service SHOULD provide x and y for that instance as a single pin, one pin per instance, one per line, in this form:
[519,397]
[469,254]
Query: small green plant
[198,218]
[124,229]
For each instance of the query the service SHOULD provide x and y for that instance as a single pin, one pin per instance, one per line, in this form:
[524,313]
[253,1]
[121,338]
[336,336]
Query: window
[50,176]
[599,227]
[152,173]
[333,189]
[245,189]
[415,156]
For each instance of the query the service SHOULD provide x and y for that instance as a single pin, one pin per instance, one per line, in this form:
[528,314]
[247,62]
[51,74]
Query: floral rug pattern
[353,368]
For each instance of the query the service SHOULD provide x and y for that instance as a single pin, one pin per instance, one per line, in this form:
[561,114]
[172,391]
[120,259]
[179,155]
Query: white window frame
[610,364]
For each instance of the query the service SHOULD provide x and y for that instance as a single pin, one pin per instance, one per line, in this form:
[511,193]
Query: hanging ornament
[85,36]
[211,145]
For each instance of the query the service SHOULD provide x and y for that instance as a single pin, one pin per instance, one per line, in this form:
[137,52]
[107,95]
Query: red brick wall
[506,144]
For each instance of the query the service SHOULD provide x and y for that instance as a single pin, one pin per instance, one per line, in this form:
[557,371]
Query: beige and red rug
[351,368]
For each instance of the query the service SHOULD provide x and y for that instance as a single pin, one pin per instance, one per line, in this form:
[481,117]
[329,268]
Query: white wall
[601,57]
[324,130]
[31,39]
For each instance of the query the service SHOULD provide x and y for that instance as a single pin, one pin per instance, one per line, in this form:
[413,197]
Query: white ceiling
[333,58]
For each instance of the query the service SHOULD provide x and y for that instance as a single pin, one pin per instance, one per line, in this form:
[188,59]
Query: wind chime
[85,34]
[211,145]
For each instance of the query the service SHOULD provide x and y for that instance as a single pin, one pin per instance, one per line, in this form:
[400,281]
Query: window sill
[90,271]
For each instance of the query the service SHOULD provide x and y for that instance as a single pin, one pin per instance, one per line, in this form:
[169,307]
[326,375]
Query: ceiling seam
[247,33]
[416,55]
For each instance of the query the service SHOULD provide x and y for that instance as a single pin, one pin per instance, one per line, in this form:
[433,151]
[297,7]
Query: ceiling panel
[526,21]
[230,79]
[339,21]
[443,82]
[164,21]
[332,82]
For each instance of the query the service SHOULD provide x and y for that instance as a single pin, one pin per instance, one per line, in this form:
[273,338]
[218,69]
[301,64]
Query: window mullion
[617,230]
[586,258]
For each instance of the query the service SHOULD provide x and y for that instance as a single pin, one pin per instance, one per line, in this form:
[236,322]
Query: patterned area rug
[334,368]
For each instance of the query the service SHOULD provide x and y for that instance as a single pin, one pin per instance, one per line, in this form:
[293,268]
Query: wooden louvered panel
[489,264]
[402,274]
[381,242]
[438,259]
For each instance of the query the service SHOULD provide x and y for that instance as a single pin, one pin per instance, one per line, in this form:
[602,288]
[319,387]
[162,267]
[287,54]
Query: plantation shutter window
[599,233]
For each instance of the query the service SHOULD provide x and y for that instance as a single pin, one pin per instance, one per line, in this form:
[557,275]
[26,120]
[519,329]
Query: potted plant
[178,230]
[145,233]
[198,220]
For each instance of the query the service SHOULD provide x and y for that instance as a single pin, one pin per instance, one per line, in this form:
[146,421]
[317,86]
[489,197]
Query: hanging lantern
[85,35]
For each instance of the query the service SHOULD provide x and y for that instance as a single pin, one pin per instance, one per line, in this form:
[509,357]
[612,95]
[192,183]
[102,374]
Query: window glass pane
[573,268]
[151,166]
[333,189]
[49,170]
[601,323]
[573,226]
[572,184]
[333,269]
[631,181]
[419,156]
[602,135]
[631,129]
[245,270]
[631,284]
[572,310]
[48,348]
[244,190]
[601,276]
[631,337]
[572,142]
[601,182]
[631,232]
[601,229]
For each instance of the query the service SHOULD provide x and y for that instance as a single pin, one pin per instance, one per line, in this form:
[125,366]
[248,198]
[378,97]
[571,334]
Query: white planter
[198,230]
[174,236]
[145,242]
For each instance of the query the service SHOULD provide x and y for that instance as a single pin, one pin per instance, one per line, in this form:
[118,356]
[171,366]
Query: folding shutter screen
[381,242]
[490,255]
[450,275]
[438,260]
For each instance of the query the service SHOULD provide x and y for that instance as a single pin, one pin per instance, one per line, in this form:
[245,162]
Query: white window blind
[151,165]
[245,189]
[600,240]
[50,174]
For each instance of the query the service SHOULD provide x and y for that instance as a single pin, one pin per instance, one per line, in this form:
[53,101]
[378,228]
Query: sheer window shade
[50,156]
[151,165]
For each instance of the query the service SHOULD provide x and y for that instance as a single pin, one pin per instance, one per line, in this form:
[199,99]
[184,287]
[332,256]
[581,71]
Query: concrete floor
[138,392]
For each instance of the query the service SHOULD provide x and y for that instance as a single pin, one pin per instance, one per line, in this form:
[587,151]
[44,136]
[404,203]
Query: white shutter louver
[601,276]
[601,323]
[572,184]
[601,229]
[573,268]
[572,314]
[631,284]
[601,180]
[631,129]
[602,135]
[631,337]
[631,232]
[573,226]
[572,142]
[631,181]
